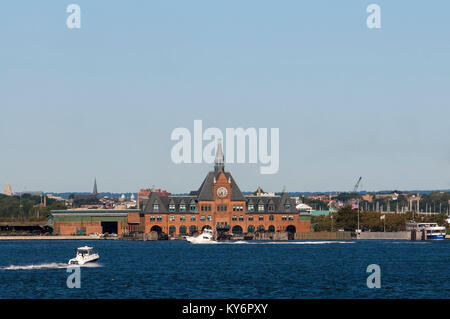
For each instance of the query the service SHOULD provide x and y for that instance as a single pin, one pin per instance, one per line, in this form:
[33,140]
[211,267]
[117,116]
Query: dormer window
[182,208]
[155,207]
[260,207]
[287,206]
[271,208]
[193,207]
[171,207]
[251,207]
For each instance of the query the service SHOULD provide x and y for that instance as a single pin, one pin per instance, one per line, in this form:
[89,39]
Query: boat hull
[79,261]
[195,240]
[435,237]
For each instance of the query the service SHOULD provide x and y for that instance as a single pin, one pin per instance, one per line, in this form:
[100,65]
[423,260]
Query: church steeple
[219,161]
[94,192]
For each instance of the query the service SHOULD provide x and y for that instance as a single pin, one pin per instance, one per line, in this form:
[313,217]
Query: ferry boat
[84,255]
[206,237]
[432,230]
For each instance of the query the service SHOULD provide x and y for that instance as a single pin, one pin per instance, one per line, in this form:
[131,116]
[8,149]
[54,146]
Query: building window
[182,229]
[172,218]
[250,217]
[182,208]
[251,207]
[271,208]
[203,218]
[171,207]
[241,208]
[159,218]
[241,218]
[291,217]
[271,217]
[287,207]
[261,217]
[283,217]
[209,217]
[234,218]
[192,217]
[182,218]
[172,230]
[260,207]
[193,207]
[152,218]
[234,208]
[155,207]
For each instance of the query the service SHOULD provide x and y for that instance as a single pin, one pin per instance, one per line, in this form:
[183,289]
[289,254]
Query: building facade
[219,204]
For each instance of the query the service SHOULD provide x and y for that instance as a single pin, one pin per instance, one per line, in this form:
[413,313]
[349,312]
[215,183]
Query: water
[175,269]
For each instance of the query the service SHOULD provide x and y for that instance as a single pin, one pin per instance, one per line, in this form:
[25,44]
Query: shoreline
[49,238]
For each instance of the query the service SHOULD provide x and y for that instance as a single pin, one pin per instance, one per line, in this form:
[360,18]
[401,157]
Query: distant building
[8,190]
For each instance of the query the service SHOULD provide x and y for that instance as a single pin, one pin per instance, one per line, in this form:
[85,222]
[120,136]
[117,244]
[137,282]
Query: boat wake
[46,266]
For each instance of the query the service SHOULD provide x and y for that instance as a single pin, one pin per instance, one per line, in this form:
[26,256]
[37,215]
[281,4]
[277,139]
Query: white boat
[206,237]
[432,230]
[84,255]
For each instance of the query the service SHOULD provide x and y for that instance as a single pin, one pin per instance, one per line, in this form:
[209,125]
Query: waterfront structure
[218,204]
[87,221]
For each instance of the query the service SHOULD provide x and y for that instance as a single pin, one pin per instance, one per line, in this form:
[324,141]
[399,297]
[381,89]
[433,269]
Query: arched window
[183,230]
[261,229]
[172,230]
[156,228]
[237,230]
[271,229]
[192,229]
[291,229]
[251,229]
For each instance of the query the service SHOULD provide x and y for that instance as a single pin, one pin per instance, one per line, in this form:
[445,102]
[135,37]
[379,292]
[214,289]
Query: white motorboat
[84,255]
[206,237]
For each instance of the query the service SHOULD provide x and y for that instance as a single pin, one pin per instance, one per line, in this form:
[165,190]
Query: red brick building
[219,204]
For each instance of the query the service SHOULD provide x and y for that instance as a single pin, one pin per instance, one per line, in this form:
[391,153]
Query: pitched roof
[206,190]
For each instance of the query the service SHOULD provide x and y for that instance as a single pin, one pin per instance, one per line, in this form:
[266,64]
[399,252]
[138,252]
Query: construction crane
[355,189]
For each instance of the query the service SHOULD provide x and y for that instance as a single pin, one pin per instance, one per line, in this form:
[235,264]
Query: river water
[254,269]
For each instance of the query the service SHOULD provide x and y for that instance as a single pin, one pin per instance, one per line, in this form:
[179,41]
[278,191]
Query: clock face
[222,192]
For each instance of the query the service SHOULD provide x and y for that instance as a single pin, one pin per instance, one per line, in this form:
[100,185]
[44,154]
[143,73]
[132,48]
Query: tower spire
[94,191]
[219,161]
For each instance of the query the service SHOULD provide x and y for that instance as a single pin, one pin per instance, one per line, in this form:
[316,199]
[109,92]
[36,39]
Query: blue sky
[102,101]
